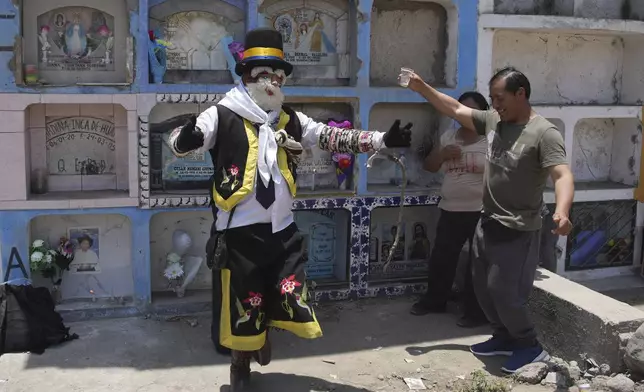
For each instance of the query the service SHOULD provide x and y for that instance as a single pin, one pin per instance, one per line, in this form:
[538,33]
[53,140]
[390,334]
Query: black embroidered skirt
[264,285]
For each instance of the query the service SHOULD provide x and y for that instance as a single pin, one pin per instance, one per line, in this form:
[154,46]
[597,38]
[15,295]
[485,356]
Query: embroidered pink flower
[234,170]
[254,299]
[289,284]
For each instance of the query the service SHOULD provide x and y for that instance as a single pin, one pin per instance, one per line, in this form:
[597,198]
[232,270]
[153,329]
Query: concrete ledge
[574,25]
[573,320]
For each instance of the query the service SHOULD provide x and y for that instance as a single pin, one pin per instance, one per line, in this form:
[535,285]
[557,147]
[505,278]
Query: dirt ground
[368,345]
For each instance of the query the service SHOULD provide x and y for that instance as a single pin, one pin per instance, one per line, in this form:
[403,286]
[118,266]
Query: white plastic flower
[173,271]
[173,258]
[52,252]
[49,258]
[38,243]
[36,257]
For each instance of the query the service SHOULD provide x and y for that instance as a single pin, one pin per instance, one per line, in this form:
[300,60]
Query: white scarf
[241,103]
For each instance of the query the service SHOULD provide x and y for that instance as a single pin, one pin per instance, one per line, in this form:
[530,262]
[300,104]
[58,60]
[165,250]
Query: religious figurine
[76,40]
[45,46]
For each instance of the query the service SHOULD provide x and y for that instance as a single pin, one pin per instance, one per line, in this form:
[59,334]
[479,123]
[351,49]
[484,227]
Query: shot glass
[405,76]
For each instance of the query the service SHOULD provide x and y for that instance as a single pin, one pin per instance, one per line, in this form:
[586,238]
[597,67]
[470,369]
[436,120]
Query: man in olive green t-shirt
[523,150]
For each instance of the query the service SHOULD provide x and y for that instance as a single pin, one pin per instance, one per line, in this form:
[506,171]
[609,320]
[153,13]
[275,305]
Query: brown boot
[264,354]
[239,370]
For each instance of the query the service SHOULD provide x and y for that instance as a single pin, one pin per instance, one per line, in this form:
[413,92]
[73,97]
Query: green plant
[481,382]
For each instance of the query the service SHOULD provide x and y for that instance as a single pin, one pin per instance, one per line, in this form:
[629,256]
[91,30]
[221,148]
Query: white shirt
[249,211]
[462,188]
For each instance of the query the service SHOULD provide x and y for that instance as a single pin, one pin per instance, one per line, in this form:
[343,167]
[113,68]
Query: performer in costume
[254,142]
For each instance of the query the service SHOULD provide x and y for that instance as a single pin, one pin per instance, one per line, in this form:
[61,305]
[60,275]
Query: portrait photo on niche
[86,250]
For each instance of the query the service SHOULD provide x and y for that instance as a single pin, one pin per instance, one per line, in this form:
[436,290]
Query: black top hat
[263,47]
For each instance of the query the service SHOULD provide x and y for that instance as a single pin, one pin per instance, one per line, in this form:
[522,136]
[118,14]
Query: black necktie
[265,194]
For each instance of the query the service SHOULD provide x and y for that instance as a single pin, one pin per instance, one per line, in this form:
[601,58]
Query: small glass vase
[39,181]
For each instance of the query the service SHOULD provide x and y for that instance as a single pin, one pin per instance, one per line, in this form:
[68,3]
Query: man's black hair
[477,97]
[514,80]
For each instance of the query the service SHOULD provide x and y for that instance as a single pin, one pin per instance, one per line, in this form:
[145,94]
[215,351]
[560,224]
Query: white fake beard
[259,93]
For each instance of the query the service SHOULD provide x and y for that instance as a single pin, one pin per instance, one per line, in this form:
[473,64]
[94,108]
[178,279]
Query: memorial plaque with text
[195,166]
[80,145]
[75,39]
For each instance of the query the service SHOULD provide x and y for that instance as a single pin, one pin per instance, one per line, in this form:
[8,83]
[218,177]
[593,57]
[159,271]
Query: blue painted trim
[230,59]
[363,49]
[235,3]
[263,58]
[253,19]
[141,268]
[125,89]
[365,110]
[142,69]
[467,11]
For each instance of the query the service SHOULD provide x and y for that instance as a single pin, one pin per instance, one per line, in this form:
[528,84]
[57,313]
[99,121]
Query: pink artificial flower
[103,31]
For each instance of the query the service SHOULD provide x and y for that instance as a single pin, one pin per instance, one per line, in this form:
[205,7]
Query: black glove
[190,138]
[398,137]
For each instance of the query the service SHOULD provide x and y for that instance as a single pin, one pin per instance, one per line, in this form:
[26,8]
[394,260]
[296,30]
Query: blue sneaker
[493,346]
[524,356]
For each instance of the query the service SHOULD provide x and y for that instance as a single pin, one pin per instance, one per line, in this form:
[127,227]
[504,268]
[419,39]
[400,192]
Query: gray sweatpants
[504,267]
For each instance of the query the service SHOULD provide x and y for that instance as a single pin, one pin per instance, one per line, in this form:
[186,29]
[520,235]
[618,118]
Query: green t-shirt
[516,168]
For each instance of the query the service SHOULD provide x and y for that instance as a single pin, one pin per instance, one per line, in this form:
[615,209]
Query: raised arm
[198,133]
[353,141]
[445,104]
